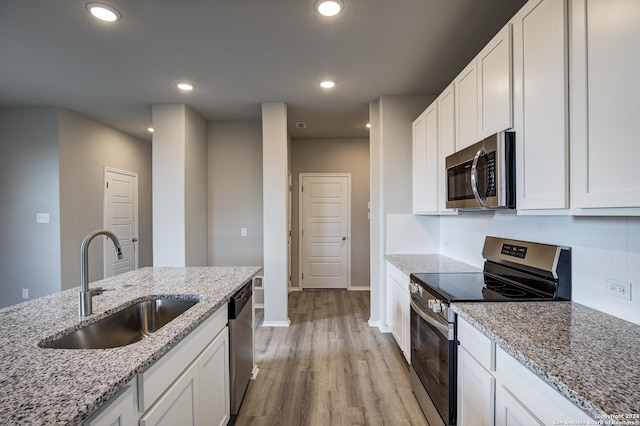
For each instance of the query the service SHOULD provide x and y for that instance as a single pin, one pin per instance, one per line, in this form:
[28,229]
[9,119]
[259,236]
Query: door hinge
[303,232]
[302,188]
[303,276]
[107,184]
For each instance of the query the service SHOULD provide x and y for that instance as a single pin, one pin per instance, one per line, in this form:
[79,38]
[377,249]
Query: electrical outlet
[42,217]
[243,232]
[617,288]
[25,293]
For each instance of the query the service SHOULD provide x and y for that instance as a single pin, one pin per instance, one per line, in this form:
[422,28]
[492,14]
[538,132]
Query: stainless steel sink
[124,327]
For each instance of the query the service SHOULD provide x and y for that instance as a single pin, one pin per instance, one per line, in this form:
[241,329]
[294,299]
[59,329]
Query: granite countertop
[588,356]
[428,263]
[62,386]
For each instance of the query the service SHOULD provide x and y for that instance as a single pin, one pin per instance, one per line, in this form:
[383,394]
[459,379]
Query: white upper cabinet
[495,93]
[605,100]
[466,106]
[426,161]
[484,92]
[541,105]
[447,141]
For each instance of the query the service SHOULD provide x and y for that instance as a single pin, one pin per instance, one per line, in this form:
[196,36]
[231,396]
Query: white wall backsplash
[601,248]
[409,234]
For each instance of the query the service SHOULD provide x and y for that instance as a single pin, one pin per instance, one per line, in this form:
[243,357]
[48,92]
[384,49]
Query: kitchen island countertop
[588,356]
[65,386]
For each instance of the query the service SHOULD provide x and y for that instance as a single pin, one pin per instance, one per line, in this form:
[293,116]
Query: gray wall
[53,162]
[349,155]
[86,147]
[234,158]
[29,169]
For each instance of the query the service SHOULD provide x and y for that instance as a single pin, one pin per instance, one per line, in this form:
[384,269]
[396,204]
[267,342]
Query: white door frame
[134,244]
[300,219]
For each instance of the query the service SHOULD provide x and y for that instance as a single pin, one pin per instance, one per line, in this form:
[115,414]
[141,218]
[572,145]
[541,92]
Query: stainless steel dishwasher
[241,344]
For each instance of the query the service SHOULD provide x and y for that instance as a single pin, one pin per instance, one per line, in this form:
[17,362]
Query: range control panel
[514,250]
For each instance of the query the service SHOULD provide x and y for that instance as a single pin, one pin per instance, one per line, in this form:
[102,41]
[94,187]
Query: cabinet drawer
[544,402]
[153,382]
[477,344]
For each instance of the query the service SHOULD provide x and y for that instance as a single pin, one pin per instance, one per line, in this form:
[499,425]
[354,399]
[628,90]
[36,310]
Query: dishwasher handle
[238,301]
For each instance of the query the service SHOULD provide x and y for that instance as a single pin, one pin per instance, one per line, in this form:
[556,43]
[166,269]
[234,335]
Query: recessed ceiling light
[150,129]
[103,12]
[185,86]
[327,84]
[368,125]
[329,7]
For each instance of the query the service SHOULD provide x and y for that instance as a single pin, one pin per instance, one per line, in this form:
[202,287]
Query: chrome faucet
[85,296]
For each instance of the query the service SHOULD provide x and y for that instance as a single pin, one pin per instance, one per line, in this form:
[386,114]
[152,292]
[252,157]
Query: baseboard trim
[373,323]
[259,306]
[360,288]
[286,323]
[254,372]
[384,329]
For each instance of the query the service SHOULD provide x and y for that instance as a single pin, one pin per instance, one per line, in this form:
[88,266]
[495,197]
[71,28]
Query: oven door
[433,363]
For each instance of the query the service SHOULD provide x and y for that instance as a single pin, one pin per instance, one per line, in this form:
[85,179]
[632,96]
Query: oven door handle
[474,177]
[442,328]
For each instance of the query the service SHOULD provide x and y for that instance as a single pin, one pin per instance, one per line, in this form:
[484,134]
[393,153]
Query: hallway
[328,368]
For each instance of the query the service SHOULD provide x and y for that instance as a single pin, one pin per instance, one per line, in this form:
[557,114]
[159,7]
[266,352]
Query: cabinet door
[605,102]
[213,372]
[425,161]
[466,94]
[476,387]
[495,95]
[397,314]
[447,141]
[122,411]
[541,105]
[179,405]
[419,156]
[509,411]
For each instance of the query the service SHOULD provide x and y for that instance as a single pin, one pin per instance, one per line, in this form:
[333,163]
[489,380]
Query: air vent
[301,125]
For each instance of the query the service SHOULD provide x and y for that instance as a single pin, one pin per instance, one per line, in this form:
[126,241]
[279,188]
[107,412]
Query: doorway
[121,217]
[325,230]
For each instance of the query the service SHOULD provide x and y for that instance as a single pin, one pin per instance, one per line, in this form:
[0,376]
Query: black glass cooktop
[474,287]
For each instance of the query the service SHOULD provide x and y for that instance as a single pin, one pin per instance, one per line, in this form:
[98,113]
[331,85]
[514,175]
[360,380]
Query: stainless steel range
[513,271]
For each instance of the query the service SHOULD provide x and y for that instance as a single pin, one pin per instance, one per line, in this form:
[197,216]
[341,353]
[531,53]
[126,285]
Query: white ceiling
[239,53]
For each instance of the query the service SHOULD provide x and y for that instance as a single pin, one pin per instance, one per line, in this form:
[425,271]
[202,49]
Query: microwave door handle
[474,177]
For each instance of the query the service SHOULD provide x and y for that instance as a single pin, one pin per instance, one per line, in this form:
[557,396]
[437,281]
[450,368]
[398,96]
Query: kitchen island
[62,386]
[589,357]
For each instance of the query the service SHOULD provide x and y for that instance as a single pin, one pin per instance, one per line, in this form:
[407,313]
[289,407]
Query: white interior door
[120,217]
[324,233]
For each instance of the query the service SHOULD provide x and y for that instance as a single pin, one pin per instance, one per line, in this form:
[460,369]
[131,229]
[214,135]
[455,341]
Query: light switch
[243,232]
[42,217]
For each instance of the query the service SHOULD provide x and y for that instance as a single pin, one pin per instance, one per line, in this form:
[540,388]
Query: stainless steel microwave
[482,176]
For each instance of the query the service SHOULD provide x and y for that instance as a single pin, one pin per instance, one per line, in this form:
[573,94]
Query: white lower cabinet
[476,386]
[398,311]
[179,404]
[495,389]
[200,396]
[189,385]
[213,366]
[510,412]
[122,411]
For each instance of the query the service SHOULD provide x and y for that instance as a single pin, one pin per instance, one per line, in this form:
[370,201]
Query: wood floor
[328,368]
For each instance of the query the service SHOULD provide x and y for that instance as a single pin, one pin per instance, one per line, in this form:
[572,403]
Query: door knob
[344,238]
